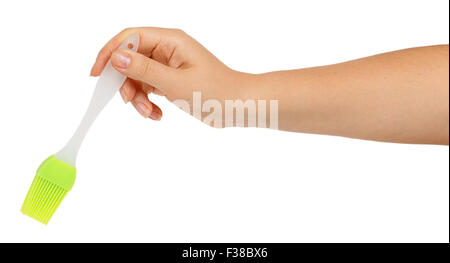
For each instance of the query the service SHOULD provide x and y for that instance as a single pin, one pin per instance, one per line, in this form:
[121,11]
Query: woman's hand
[169,63]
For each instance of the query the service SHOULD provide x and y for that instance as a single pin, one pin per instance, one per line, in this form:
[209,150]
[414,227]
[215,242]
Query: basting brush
[56,175]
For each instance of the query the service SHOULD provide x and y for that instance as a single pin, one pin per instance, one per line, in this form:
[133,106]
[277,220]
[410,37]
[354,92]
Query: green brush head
[54,178]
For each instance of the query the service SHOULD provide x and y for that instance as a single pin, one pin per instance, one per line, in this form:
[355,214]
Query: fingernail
[124,96]
[155,115]
[143,110]
[121,59]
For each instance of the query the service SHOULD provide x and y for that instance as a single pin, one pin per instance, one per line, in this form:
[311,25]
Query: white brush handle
[108,84]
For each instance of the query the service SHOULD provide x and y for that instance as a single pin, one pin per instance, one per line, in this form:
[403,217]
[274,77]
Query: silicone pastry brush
[56,175]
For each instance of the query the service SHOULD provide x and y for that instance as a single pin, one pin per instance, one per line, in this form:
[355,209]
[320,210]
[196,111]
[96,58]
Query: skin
[401,96]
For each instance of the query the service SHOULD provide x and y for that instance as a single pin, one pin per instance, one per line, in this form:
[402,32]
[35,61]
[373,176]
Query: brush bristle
[42,199]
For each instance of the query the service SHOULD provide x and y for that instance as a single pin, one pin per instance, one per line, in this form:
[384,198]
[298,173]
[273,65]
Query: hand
[169,63]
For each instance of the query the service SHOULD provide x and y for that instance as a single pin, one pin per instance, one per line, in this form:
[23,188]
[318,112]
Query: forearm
[400,96]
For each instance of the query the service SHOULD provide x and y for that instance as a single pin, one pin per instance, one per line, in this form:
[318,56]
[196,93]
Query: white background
[180,181]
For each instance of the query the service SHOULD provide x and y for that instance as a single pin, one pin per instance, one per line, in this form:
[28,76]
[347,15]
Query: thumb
[139,67]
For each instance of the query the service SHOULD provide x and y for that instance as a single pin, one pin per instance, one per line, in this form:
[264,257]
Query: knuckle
[145,69]
[128,29]
[178,31]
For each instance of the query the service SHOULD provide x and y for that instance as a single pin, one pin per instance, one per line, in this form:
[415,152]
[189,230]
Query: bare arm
[401,96]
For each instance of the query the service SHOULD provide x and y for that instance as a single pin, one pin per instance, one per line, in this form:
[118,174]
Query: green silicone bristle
[42,199]
[53,180]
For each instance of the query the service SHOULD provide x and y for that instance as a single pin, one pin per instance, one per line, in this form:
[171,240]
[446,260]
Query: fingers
[128,90]
[150,89]
[134,92]
[145,107]
[147,88]
[149,38]
[141,68]
[105,53]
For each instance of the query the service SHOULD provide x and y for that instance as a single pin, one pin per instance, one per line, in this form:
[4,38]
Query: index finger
[149,38]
